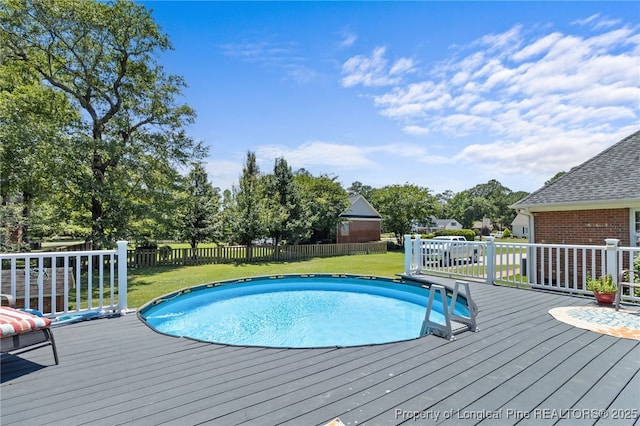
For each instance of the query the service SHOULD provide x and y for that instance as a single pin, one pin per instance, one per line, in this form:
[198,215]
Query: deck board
[119,371]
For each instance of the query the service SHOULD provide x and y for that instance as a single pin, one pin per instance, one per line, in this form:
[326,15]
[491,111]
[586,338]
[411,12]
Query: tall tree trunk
[97,208]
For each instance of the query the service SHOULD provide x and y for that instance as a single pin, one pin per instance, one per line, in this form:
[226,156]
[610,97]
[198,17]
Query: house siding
[590,227]
[360,231]
[578,227]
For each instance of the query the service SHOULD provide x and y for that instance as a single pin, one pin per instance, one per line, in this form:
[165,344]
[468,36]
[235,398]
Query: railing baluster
[111,279]
[100,280]
[77,267]
[89,282]
[66,283]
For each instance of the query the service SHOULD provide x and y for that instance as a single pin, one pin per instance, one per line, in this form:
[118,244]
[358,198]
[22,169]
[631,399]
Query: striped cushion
[13,321]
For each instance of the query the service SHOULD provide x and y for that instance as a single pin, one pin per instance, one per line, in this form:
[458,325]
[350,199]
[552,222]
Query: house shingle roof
[612,175]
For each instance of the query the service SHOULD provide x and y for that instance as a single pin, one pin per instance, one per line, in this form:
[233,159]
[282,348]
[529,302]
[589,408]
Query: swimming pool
[296,311]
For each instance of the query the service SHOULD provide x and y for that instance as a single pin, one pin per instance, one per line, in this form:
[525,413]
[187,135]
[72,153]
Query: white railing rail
[558,267]
[454,259]
[57,283]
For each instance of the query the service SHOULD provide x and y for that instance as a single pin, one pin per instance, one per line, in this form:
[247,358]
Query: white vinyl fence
[58,283]
[545,266]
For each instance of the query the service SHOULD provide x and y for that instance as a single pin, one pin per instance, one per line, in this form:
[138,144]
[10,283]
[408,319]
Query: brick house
[360,223]
[596,200]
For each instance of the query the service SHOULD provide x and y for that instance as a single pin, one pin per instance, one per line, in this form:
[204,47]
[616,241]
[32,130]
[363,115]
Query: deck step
[453,324]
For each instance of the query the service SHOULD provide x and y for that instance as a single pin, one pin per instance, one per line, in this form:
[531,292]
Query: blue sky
[444,95]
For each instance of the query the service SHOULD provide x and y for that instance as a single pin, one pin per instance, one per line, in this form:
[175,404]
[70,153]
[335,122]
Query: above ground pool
[301,311]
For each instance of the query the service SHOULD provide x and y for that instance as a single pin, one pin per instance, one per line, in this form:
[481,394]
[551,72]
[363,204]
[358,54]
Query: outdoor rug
[625,324]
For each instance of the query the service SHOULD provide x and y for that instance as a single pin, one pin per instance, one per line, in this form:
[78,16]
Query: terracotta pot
[605,298]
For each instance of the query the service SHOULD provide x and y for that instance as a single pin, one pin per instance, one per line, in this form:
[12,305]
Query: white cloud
[328,157]
[402,66]
[347,39]
[261,51]
[223,174]
[542,154]
[416,130]
[485,107]
[597,22]
[316,153]
[533,100]
[588,20]
[399,150]
[283,57]
[374,70]
[300,74]
[502,43]
[537,48]
[414,100]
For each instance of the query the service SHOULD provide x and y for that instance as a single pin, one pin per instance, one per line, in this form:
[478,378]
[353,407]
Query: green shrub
[603,284]
[506,233]
[468,234]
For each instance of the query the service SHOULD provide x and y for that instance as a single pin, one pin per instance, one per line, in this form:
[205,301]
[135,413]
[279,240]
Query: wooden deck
[522,366]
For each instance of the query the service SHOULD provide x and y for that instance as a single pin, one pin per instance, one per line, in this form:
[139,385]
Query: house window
[344,228]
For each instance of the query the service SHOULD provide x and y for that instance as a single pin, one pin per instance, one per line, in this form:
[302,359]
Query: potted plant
[603,289]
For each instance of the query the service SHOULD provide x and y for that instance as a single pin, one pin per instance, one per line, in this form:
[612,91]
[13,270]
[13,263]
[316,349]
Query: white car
[447,250]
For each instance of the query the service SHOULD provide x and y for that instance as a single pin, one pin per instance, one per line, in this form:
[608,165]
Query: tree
[327,199]
[228,216]
[249,224]
[467,208]
[200,207]
[489,200]
[288,216]
[34,122]
[402,205]
[101,57]
[12,225]
[554,178]
[357,188]
[444,212]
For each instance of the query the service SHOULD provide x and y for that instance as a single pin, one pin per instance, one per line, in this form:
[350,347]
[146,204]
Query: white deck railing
[546,266]
[58,283]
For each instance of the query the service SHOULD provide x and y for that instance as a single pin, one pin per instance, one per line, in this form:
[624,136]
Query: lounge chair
[22,330]
[624,281]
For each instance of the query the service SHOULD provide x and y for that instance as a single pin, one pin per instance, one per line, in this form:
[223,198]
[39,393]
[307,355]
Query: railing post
[407,254]
[612,258]
[491,260]
[417,253]
[122,276]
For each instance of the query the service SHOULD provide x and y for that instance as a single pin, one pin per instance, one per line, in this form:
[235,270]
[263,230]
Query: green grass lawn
[148,283]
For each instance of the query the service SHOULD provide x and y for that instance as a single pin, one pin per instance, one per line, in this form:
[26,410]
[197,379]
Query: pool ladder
[453,324]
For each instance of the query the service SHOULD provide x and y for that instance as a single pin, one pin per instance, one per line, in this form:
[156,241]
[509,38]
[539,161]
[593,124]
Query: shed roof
[360,209]
[612,175]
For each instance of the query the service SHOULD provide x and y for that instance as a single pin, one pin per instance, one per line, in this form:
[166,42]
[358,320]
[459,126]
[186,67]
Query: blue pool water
[295,312]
